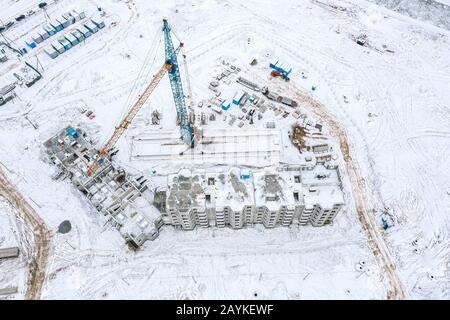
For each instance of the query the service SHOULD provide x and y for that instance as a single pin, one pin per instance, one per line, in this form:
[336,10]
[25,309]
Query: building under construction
[239,197]
[123,199]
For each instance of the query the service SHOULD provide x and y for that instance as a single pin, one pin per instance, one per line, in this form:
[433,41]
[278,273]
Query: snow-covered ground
[13,272]
[397,119]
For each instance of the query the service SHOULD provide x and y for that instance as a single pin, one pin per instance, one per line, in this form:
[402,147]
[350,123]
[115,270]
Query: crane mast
[177,88]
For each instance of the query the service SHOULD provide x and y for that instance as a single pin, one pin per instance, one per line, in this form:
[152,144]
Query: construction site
[200,142]
[152,148]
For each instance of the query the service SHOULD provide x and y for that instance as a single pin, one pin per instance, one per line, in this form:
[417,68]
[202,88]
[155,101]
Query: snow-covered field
[12,272]
[397,119]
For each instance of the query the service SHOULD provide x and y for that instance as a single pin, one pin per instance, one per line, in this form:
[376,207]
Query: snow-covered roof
[185,191]
[189,190]
[322,186]
[276,188]
[230,190]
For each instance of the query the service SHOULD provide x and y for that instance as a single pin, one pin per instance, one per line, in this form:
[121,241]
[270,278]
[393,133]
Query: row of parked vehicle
[21,17]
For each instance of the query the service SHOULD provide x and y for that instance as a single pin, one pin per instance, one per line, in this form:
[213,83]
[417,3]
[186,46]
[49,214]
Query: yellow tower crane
[120,129]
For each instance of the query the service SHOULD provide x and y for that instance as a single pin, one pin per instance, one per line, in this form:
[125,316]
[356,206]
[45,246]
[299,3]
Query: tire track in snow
[39,249]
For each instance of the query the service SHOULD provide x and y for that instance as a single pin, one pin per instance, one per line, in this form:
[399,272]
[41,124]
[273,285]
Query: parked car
[21,17]
[9,24]
[42,5]
[30,12]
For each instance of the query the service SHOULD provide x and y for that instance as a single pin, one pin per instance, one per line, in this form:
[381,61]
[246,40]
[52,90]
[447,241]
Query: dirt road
[37,240]
[367,219]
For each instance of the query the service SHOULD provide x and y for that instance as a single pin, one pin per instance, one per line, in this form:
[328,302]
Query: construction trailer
[77,34]
[37,38]
[238,97]
[238,198]
[64,21]
[51,52]
[30,43]
[56,25]
[283,73]
[124,199]
[85,32]
[65,43]
[69,17]
[91,26]
[98,22]
[287,101]
[71,38]
[49,29]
